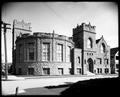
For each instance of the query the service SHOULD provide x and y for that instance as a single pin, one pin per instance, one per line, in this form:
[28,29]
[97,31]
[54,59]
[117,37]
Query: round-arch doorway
[90,65]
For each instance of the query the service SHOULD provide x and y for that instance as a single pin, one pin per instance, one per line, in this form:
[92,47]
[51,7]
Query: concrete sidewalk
[9,87]
[58,76]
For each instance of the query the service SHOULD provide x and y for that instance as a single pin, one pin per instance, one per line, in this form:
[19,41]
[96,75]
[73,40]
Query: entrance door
[31,71]
[60,71]
[90,64]
[20,71]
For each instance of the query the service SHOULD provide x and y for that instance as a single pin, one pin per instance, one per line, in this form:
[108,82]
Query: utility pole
[13,48]
[4,26]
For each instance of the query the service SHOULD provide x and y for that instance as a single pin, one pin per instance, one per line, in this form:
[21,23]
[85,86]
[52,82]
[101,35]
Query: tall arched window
[102,48]
[89,43]
[78,59]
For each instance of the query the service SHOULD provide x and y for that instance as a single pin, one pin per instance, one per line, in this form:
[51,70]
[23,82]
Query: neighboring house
[114,52]
[53,54]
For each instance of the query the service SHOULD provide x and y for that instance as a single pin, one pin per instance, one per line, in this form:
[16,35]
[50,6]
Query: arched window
[89,43]
[78,59]
[102,48]
[85,61]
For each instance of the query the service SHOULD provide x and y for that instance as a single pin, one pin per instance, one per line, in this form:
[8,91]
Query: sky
[62,17]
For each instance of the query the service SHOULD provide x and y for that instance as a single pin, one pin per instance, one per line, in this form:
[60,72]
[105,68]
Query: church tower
[84,38]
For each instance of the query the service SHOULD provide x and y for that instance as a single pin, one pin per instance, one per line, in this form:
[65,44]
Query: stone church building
[53,54]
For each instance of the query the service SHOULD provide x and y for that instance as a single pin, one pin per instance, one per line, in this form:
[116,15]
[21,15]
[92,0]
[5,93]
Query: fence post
[16,92]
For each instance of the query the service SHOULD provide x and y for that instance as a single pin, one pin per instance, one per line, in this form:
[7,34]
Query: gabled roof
[113,51]
[102,38]
[97,40]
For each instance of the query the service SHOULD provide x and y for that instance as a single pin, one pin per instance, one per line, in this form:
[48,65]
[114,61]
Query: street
[9,87]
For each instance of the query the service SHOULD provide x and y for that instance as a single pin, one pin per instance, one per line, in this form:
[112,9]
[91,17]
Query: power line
[58,15]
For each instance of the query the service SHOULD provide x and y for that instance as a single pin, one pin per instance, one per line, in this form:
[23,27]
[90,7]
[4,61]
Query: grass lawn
[48,90]
[44,91]
[105,86]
